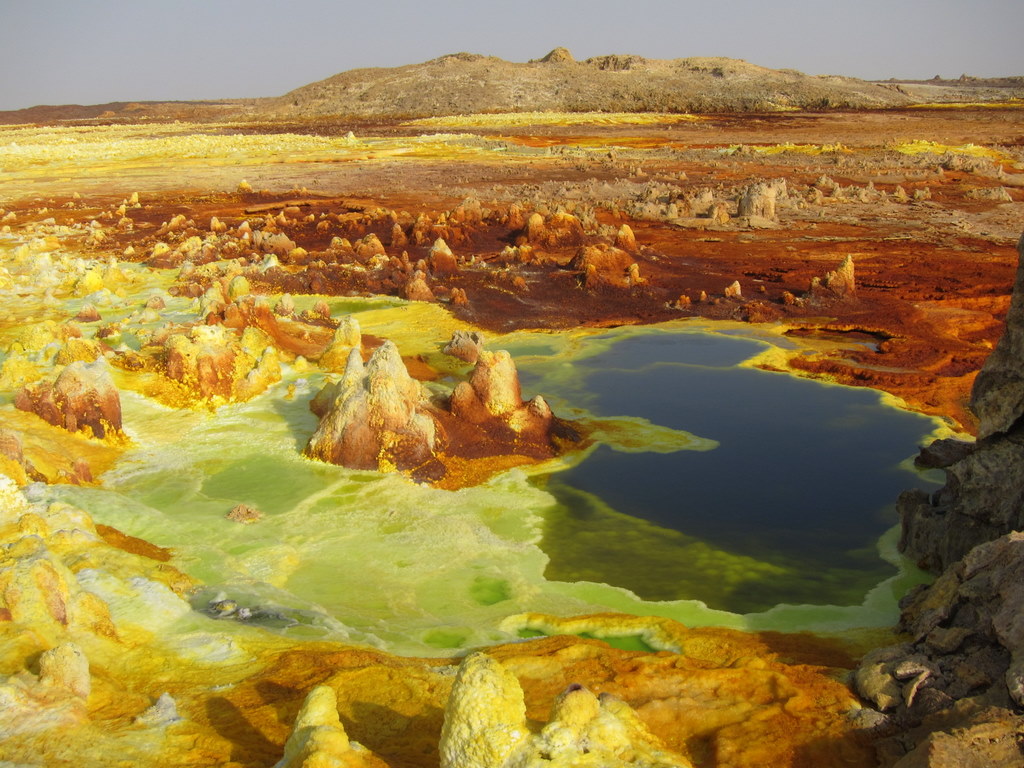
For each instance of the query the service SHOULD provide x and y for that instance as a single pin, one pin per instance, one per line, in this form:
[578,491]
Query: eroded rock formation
[837,284]
[492,394]
[604,265]
[984,493]
[378,417]
[318,739]
[211,363]
[83,398]
[374,417]
[465,345]
[485,726]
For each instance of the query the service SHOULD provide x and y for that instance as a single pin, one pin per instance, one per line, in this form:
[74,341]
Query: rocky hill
[468,83]
[464,83]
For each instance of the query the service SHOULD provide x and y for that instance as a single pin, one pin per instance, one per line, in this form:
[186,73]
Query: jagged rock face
[998,395]
[83,398]
[966,629]
[984,493]
[967,642]
[374,417]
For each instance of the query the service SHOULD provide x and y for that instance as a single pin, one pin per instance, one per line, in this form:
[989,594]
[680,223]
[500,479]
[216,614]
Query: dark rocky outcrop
[956,687]
[984,493]
[998,396]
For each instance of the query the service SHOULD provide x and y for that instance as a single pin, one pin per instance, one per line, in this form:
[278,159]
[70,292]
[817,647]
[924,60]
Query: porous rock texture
[493,394]
[485,726]
[212,364]
[374,417]
[82,398]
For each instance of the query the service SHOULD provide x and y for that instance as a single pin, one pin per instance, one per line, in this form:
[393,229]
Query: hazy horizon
[71,52]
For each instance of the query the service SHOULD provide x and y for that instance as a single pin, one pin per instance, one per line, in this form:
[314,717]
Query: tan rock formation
[368,247]
[82,398]
[374,417]
[417,289]
[602,265]
[837,284]
[212,363]
[559,55]
[556,231]
[398,237]
[441,260]
[760,199]
[625,240]
[493,395]
[347,337]
[465,345]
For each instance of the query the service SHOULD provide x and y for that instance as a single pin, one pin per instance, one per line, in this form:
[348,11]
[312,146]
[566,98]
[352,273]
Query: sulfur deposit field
[567,439]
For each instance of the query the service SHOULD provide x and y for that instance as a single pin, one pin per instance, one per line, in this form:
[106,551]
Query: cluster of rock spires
[955,688]
[485,726]
[376,416]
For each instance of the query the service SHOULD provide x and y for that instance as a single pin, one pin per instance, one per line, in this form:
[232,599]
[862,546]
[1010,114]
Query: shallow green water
[378,559]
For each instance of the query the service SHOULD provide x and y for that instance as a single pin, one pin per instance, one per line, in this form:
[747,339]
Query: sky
[98,51]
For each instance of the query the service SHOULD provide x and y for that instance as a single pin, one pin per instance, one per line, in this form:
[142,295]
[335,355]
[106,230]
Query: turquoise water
[788,507]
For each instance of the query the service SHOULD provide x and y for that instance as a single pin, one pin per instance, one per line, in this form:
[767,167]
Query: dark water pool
[788,508]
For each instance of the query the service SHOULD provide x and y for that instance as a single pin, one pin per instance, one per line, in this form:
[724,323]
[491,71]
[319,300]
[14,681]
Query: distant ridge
[467,83]
[464,83]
